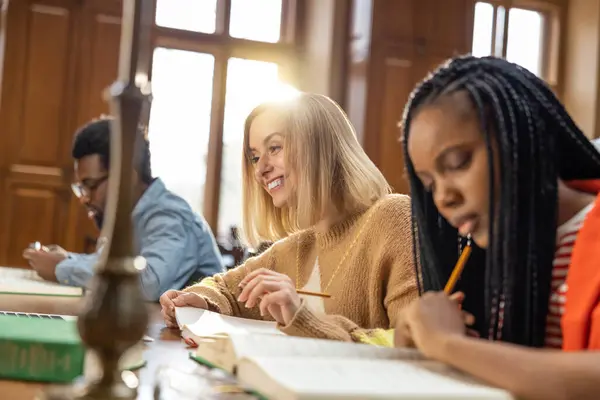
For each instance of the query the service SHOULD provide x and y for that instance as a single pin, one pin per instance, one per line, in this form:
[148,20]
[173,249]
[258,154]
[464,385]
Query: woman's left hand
[274,291]
[430,319]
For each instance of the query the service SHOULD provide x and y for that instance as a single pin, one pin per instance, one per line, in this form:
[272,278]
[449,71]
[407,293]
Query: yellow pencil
[317,294]
[458,268]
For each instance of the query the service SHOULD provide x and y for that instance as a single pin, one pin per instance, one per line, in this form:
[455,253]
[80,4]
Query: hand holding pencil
[435,315]
[272,292]
[458,268]
[429,320]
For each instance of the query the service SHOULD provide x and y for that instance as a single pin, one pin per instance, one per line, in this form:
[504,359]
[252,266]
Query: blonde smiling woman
[310,188]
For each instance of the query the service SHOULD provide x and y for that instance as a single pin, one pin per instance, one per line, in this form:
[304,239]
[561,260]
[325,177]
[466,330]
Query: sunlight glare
[180,121]
[249,83]
[482,29]
[180,118]
[524,45]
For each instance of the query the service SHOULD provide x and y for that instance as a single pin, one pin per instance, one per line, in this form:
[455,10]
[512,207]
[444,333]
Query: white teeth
[273,184]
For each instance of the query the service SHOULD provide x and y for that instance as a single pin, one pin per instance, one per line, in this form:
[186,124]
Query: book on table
[198,324]
[283,367]
[27,281]
[47,348]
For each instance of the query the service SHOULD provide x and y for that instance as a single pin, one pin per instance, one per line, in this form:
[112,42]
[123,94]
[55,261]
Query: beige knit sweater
[374,283]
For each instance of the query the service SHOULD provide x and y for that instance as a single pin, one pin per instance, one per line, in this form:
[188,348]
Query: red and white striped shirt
[565,240]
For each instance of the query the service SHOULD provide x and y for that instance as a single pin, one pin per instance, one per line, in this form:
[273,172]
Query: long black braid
[538,143]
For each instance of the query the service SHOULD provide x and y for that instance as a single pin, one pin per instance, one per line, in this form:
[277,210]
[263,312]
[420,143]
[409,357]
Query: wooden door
[408,39]
[51,66]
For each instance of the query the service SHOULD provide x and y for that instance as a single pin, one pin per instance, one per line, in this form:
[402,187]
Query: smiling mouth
[275,184]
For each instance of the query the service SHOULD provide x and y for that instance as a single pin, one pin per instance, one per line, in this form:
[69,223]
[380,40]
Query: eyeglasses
[86,190]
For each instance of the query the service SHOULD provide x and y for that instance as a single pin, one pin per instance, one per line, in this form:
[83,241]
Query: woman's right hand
[403,336]
[176,298]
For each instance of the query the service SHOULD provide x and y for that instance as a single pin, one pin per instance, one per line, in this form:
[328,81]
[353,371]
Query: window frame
[222,47]
[552,12]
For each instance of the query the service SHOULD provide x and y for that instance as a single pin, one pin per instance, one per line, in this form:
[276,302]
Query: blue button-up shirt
[175,241]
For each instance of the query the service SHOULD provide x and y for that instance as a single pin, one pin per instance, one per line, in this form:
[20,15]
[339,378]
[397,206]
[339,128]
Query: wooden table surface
[166,352]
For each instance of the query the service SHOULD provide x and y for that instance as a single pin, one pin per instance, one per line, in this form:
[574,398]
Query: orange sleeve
[581,318]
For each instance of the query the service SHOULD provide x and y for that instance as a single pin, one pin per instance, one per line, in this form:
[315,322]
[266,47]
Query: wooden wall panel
[398,81]
[44,86]
[27,207]
[58,58]
[397,20]
[404,40]
[444,25]
[100,64]
[40,38]
[40,41]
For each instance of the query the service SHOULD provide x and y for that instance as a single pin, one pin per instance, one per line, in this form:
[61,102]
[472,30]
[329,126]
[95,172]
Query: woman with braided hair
[492,154]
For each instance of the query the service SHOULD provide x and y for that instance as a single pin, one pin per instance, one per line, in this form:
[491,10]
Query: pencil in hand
[458,268]
[317,294]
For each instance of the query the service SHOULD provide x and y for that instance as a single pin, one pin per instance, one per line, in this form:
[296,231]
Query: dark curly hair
[94,138]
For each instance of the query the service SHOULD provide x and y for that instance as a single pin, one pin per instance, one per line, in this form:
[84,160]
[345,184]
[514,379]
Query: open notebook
[284,378]
[227,352]
[197,324]
[284,367]
[27,281]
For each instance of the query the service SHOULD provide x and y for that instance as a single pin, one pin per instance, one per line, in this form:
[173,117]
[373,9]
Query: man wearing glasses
[176,242]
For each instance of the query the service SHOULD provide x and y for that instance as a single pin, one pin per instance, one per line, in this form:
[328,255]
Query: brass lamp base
[114,319]
[91,392]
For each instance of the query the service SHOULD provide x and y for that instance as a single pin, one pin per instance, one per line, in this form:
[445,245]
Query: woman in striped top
[492,153]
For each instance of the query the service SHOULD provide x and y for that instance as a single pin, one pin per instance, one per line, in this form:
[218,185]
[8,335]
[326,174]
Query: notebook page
[211,323]
[19,273]
[25,281]
[287,346]
[187,315]
[368,379]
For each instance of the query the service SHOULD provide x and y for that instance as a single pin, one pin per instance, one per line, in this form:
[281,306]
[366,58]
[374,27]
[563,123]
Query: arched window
[214,60]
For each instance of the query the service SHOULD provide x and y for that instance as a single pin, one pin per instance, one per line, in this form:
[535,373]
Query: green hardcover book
[40,349]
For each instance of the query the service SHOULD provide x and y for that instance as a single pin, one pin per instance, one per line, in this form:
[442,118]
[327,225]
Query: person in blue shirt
[176,242]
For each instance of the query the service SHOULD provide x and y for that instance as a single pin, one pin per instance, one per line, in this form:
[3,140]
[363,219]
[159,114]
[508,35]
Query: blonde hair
[321,147]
